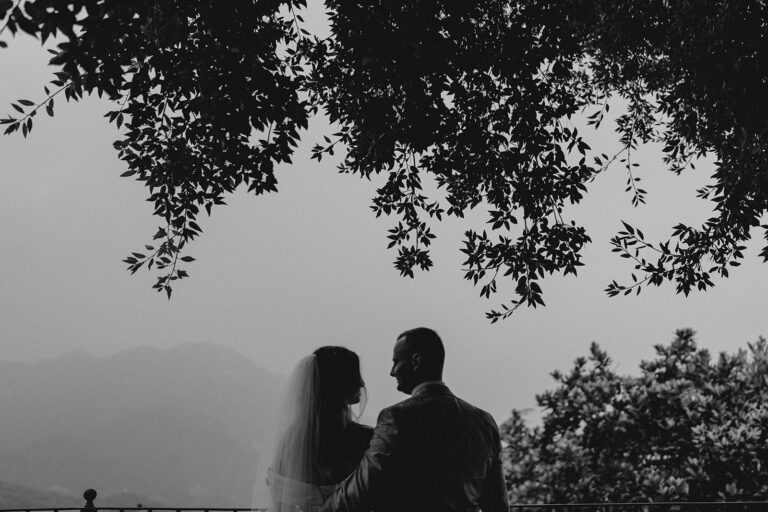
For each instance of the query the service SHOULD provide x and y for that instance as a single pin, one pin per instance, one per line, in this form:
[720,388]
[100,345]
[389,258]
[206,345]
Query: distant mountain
[186,426]
[17,496]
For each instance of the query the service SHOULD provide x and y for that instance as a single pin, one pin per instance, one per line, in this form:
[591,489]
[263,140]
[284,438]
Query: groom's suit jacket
[433,452]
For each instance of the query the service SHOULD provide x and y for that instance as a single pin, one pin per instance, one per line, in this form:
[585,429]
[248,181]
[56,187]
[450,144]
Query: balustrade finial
[89,495]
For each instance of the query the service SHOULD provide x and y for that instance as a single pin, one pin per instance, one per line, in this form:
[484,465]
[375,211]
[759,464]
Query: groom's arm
[360,490]
[494,496]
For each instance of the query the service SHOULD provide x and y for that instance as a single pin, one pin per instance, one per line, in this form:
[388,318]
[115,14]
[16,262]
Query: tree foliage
[687,428]
[478,97]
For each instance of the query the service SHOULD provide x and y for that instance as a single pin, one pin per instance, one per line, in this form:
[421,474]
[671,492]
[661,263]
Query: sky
[280,275]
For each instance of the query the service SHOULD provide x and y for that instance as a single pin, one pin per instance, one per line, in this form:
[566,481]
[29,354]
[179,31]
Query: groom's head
[418,357]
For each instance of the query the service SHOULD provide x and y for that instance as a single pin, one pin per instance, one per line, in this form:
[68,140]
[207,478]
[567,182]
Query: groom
[431,452]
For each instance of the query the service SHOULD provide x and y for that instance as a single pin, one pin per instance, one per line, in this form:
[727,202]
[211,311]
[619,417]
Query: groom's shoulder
[398,408]
[482,414]
[403,404]
[413,405]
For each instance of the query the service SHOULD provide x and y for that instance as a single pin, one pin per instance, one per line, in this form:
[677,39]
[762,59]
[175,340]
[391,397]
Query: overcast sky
[280,275]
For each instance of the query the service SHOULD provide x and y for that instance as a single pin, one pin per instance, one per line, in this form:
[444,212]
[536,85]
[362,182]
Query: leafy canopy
[476,96]
[688,428]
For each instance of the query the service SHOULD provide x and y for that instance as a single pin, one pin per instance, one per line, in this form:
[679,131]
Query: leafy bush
[687,428]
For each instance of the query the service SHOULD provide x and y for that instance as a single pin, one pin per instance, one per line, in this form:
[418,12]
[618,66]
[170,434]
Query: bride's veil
[294,464]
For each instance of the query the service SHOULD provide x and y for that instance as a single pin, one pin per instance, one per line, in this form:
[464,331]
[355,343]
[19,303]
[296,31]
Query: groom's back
[444,450]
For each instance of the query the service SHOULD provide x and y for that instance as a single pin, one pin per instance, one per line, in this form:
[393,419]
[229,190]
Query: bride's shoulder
[359,431]
[359,427]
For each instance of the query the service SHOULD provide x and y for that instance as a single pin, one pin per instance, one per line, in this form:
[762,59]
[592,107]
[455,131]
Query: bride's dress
[291,495]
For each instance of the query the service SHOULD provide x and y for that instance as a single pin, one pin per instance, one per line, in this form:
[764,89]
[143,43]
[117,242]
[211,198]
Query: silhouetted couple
[432,452]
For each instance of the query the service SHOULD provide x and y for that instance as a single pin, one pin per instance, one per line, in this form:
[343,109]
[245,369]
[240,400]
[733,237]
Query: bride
[320,444]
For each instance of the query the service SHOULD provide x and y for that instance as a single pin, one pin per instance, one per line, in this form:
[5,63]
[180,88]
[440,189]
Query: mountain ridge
[186,426]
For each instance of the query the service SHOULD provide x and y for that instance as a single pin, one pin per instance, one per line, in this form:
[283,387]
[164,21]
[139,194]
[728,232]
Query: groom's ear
[416,361]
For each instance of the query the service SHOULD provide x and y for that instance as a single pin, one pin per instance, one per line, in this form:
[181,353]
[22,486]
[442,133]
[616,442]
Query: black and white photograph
[383,256]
